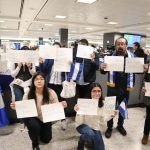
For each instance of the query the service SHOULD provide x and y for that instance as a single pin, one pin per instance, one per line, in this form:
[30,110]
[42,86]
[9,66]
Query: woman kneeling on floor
[89,126]
[42,95]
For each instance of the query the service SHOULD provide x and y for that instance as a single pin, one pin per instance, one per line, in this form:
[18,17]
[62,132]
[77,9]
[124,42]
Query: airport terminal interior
[74,52]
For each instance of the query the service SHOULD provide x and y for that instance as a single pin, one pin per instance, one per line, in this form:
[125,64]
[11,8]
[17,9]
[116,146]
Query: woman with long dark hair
[42,95]
[90,126]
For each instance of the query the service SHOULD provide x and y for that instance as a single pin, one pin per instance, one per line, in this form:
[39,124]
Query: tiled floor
[67,140]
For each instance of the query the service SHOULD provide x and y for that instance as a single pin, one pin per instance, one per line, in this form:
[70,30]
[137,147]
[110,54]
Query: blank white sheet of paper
[134,65]
[84,51]
[52,112]
[47,52]
[114,63]
[26,108]
[87,106]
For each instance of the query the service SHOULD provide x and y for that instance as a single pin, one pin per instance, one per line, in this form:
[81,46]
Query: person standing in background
[87,70]
[24,72]
[119,84]
[146,101]
[53,79]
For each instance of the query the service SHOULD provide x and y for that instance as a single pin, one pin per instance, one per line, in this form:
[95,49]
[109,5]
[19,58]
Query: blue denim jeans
[90,135]
[18,91]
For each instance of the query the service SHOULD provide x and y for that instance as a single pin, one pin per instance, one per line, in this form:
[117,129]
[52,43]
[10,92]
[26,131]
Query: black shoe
[80,145]
[122,130]
[108,133]
[36,147]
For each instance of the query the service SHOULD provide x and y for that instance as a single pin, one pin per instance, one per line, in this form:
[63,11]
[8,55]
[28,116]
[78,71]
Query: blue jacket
[46,68]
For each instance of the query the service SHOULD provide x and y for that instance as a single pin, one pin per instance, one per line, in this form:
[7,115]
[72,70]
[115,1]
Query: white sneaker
[63,124]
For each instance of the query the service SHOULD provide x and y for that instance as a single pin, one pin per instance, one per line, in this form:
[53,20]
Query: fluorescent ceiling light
[56,34]
[86,1]
[112,23]
[88,28]
[73,31]
[48,24]
[148,13]
[2,21]
[60,17]
[3,27]
[148,28]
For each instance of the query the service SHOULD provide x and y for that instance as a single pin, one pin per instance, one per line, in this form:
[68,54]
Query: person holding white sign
[53,79]
[146,101]
[22,72]
[83,70]
[90,126]
[42,95]
[119,84]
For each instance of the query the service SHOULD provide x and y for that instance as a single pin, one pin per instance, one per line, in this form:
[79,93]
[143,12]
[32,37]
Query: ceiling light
[112,23]
[86,1]
[56,34]
[2,21]
[148,13]
[48,24]
[148,28]
[88,28]
[73,31]
[3,27]
[60,17]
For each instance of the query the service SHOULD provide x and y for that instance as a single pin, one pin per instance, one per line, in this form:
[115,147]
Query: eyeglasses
[36,79]
[96,91]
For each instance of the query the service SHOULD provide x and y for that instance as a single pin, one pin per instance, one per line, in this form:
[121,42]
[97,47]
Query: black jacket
[90,67]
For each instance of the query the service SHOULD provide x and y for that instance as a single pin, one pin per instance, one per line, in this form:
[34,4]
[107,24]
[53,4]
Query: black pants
[38,130]
[82,91]
[120,95]
[147,121]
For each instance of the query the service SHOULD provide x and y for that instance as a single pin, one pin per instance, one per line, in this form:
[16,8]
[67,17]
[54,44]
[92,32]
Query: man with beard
[119,84]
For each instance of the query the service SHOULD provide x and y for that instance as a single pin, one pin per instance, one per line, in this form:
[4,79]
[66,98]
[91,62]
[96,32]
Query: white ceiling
[27,18]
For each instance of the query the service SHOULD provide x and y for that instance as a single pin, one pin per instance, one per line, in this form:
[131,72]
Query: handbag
[69,89]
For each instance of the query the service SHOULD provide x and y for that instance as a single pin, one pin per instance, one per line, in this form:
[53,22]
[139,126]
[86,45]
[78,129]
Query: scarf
[130,76]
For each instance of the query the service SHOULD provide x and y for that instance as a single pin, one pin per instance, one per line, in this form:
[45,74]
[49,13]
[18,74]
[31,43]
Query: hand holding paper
[114,63]
[87,106]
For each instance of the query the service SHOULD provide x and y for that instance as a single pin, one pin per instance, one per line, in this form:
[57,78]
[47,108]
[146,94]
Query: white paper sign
[16,56]
[114,63]
[109,107]
[26,108]
[64,54]
[84,51]
[52,112]
[87,106]
[147,87]
[109,103]
[47,52]
[63,59]
[61,66]
[3,66]
[134,65]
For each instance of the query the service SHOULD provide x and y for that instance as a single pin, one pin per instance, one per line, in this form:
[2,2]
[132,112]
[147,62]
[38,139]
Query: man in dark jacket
[88,71]
[119,84]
